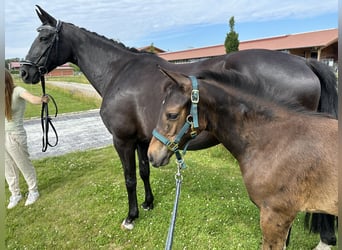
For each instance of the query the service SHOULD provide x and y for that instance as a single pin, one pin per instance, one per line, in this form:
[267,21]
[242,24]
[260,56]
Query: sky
[170,25]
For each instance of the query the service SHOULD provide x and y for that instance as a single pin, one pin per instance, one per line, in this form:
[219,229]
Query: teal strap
[182,132]
[194,100]
[193,123]
[171,145]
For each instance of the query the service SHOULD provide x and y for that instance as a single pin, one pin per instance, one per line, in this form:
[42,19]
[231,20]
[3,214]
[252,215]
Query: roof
[65,66]
[320,38]
[14,65]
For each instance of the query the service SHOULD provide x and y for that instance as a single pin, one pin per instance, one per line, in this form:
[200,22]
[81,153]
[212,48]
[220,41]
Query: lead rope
[46,120]
[179,179]
[191,123]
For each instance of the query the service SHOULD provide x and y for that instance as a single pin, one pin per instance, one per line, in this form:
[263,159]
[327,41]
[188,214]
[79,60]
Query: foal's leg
[288,237]
[144,167]
[275,228]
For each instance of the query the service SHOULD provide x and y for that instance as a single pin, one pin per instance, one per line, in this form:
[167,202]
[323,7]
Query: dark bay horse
[287,156]
[132,87]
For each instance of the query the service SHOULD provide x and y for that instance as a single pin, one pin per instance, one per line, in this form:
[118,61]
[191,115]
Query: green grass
[77,78]
[83,202]
[67,101]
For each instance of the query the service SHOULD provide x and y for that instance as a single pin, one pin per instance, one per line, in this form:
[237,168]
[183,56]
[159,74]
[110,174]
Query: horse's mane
[258,90]
[113,42]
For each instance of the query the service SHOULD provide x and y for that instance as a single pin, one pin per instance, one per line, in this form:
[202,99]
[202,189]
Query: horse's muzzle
[157,162]
[158,154]
[29,74]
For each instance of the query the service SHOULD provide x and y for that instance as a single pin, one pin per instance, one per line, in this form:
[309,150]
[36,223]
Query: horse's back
[265,60]
[279,71]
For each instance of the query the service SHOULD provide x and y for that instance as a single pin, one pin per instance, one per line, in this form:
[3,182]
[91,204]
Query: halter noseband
[190,122]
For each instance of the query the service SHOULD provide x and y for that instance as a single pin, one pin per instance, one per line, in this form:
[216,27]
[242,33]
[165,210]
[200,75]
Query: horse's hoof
[322,246]
[126,225]
[147,207]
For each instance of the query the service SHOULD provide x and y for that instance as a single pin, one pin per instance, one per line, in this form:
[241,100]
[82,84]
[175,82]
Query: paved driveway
[76,132]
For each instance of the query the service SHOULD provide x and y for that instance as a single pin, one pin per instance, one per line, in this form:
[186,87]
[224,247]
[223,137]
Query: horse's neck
[98,58]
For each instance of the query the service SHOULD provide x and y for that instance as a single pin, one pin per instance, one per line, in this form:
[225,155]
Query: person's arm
[34,99]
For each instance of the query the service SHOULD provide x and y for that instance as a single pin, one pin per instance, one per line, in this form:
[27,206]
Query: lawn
[67,101]
[84,200]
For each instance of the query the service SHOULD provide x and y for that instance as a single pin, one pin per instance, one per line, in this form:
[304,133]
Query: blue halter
[191,122]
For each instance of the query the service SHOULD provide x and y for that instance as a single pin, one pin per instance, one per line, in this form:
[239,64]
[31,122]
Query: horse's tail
[328,102]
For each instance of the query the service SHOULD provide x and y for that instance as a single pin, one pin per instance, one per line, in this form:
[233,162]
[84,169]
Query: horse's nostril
[22,73]
[150,157]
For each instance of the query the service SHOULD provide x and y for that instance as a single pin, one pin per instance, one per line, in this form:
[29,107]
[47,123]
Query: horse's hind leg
[144,168]
[275,228]
[325,225]
[328,229]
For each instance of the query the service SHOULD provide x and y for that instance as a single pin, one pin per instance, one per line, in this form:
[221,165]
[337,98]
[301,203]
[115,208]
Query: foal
[287,157]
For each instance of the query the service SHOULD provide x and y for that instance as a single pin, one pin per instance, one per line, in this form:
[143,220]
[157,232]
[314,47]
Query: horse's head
[44,54]
[178,119]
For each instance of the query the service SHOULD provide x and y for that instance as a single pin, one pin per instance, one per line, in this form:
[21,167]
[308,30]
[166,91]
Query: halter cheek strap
[42,66]
[46,120]
[191,122]
[194,100]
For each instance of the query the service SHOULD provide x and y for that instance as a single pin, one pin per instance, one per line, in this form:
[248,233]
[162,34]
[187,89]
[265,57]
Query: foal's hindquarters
[296,172]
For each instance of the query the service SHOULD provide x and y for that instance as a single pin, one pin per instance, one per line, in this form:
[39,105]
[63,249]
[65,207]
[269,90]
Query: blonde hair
[8,94]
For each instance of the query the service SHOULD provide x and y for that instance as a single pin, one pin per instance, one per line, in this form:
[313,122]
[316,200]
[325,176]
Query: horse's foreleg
[144,168]
[126,152]
[275,228]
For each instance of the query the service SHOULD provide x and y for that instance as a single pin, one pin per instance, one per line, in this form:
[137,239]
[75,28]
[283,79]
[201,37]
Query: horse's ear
[180,79]
[45,17]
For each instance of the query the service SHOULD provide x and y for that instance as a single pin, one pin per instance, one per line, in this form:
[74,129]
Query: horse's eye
[43,38]
[172,116]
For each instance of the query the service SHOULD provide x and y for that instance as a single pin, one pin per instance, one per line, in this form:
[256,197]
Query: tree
[75,67]
[232,39]
[152,50]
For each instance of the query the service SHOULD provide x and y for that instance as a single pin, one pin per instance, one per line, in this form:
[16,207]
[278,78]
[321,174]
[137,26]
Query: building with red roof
[63,70]
[317,44]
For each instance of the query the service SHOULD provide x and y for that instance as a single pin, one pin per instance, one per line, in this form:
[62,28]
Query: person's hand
[45,98]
